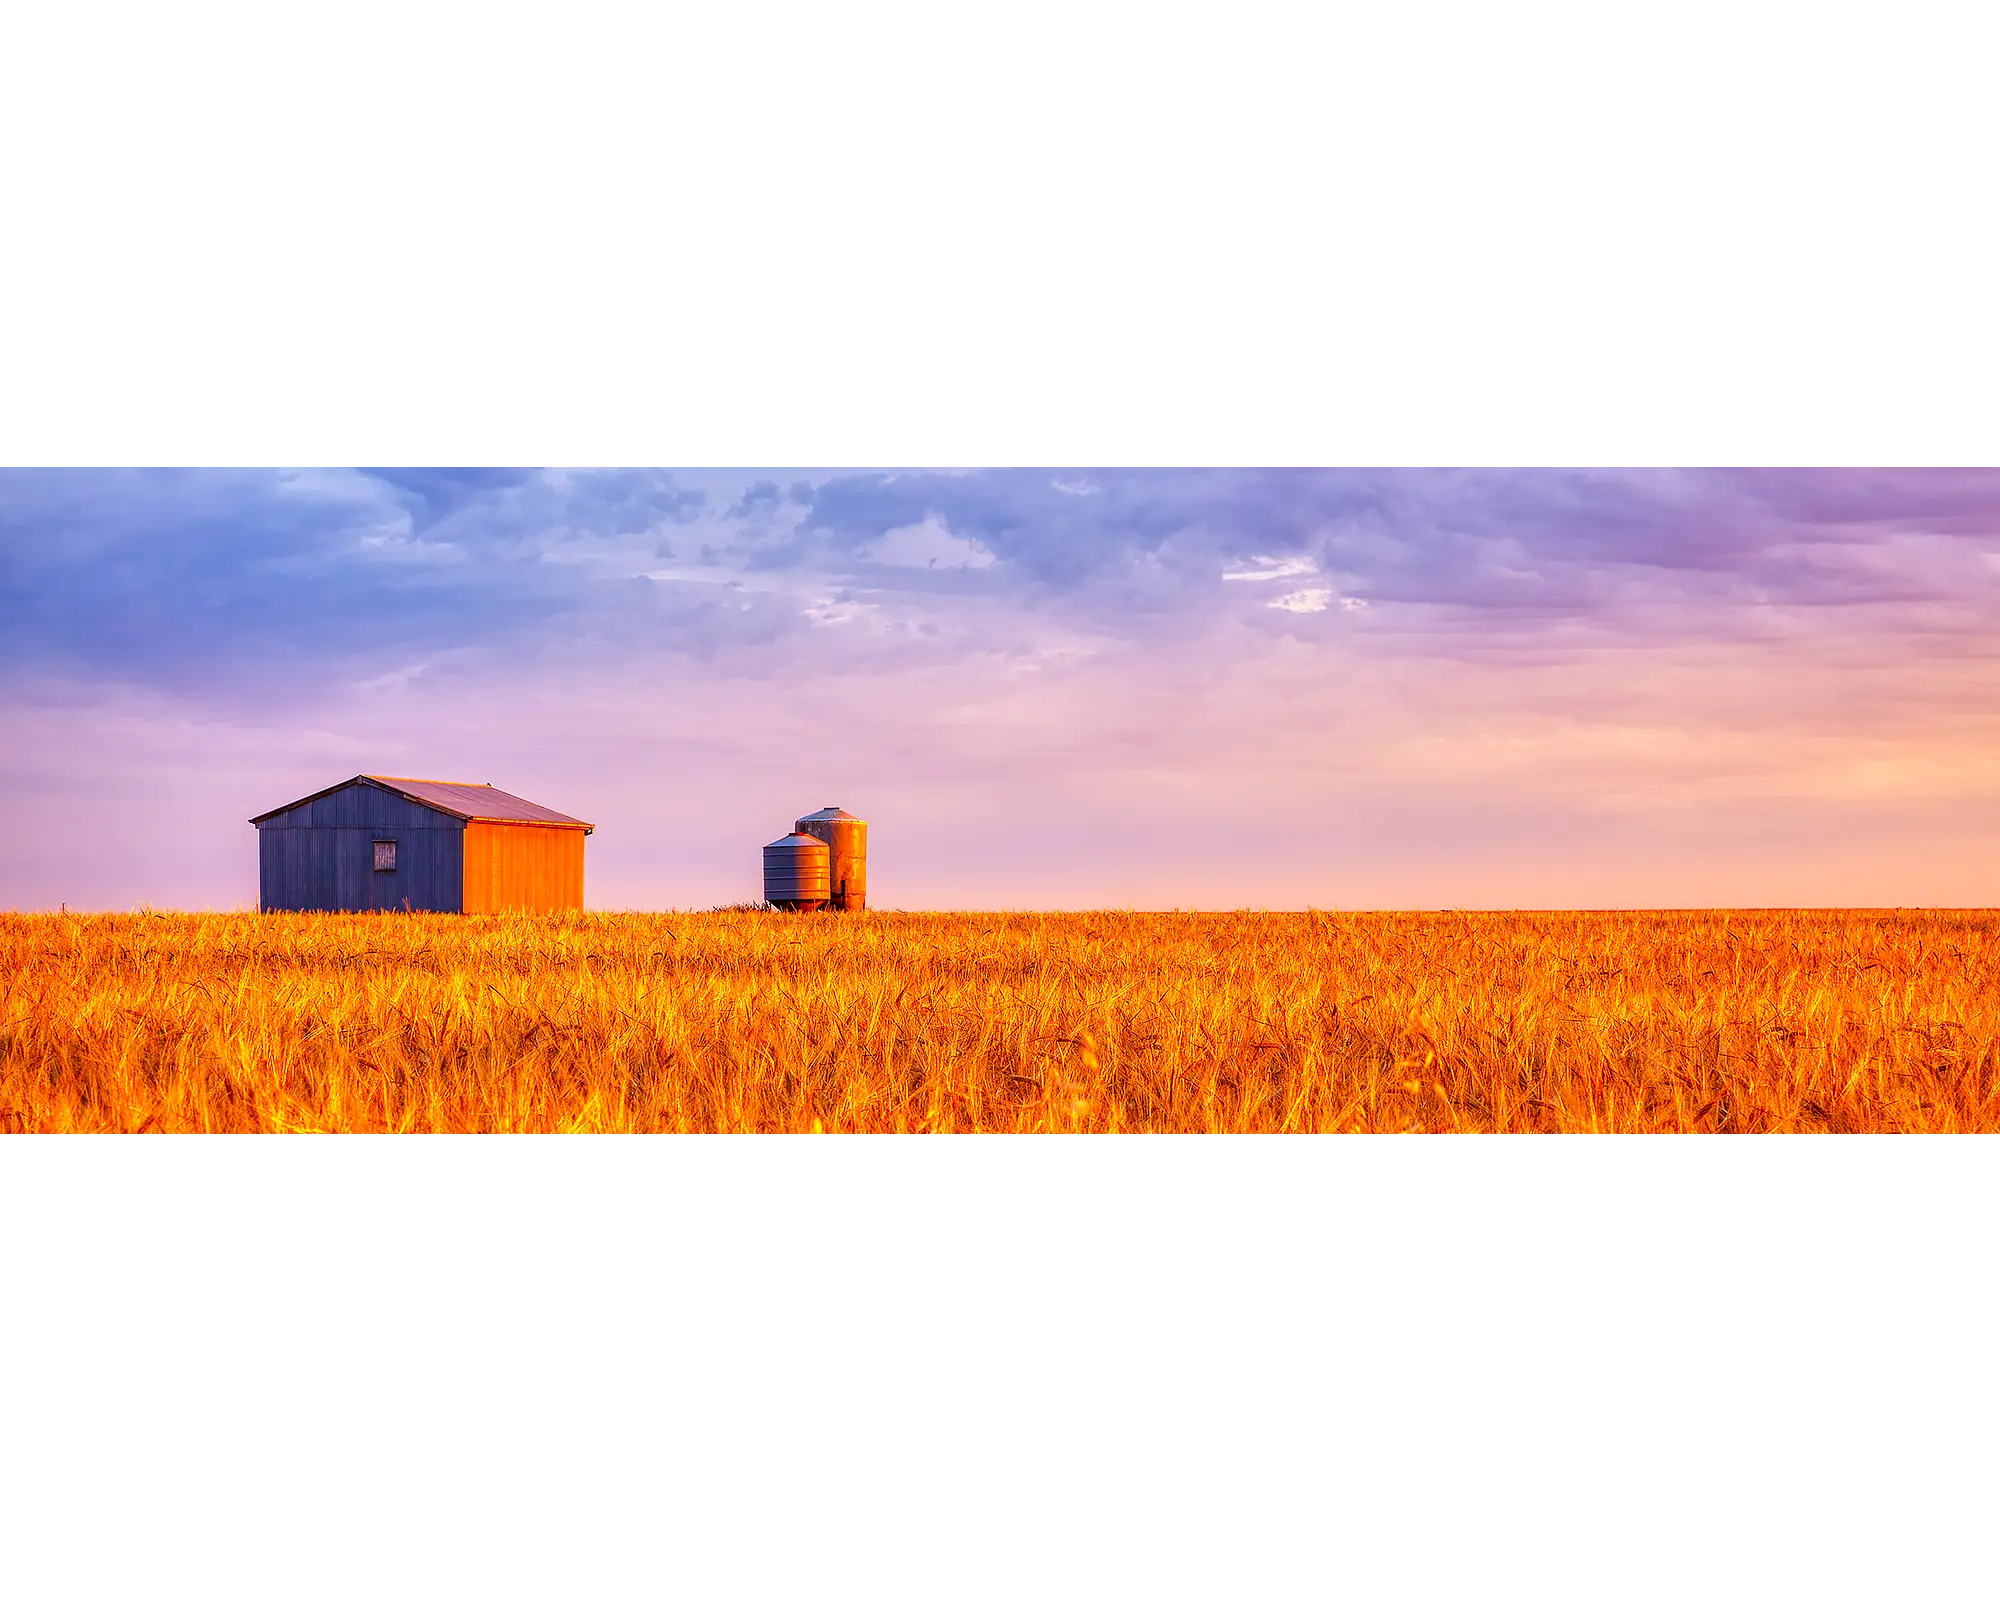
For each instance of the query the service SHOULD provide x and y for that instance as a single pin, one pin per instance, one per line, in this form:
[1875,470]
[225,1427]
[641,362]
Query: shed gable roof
[475,802]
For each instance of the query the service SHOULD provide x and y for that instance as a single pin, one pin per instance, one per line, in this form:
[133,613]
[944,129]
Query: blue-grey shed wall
[321,856]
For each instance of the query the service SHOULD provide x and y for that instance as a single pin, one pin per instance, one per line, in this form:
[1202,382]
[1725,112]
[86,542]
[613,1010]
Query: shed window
[385,855]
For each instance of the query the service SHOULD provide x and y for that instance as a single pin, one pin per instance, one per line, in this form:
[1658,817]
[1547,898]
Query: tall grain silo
[846,839]
[795,872]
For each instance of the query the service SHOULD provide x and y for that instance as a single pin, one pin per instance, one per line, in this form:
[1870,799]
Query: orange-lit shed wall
[523,866]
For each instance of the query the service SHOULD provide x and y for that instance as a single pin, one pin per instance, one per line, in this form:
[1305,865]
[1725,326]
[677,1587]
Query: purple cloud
[193,577]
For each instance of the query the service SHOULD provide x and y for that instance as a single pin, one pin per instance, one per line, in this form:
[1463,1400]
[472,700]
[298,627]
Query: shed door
[385,881]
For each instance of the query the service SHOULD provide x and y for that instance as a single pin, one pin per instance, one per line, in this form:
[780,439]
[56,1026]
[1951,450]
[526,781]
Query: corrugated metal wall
[513,866]
[321,856]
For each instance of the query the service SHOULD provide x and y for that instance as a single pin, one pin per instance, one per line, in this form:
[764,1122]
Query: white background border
[1428,234]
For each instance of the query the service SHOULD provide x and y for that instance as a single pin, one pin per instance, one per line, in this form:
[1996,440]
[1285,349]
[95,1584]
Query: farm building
[410,844]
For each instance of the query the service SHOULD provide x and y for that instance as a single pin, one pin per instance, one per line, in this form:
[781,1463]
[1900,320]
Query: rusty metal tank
[846,837]
[795,872]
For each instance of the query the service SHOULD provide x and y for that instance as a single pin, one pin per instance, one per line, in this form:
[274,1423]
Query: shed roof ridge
[435,794]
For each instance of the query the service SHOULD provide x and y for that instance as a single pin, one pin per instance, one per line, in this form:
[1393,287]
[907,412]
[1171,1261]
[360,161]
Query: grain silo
[846,839]
[795,872]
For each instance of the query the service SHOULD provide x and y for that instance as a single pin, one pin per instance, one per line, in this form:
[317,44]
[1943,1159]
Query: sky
[1042,688]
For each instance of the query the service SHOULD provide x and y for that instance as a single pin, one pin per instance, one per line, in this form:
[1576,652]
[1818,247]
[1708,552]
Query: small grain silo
[846,839]
[795,872]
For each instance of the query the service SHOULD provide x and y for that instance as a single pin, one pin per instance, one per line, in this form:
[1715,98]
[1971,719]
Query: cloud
[264,583]
[432,493]
[759,500]
[1483,563]
[1266,568]
[619,503]
[928,544]
[255,583]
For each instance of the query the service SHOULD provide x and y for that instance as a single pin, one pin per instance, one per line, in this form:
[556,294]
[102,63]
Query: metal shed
[415,844]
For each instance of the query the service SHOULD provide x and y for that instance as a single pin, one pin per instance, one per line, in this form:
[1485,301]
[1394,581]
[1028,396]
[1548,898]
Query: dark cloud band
[217,578]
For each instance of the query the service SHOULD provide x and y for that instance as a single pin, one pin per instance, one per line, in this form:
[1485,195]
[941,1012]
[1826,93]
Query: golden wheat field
[752,1021]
